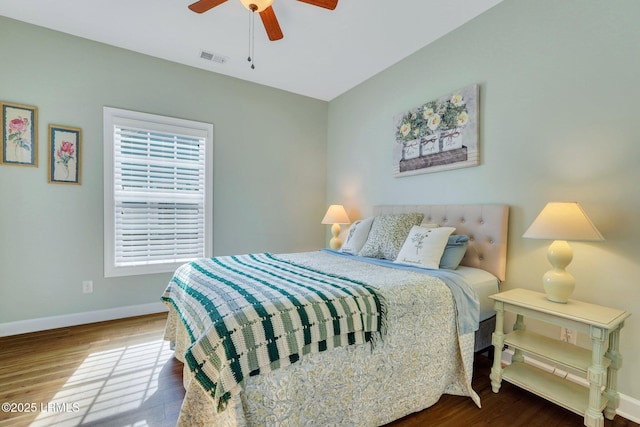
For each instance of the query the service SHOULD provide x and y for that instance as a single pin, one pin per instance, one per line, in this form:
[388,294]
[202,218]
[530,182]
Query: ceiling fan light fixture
[256,5]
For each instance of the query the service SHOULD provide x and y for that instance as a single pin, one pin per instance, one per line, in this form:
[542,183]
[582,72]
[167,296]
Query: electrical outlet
[568,335]
[87,286]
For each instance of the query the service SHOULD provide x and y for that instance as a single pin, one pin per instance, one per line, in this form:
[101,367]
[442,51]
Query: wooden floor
[121,373]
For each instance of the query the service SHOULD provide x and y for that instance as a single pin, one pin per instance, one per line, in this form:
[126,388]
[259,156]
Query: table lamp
[561,221]
[336,215]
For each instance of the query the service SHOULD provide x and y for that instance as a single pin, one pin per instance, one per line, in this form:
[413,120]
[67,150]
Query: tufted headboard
[486,226]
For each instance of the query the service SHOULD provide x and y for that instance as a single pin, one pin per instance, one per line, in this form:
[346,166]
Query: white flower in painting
[428,112]
[457,100]
[434,122]
[405,129]
[416,132]
[462,119]
[413,116]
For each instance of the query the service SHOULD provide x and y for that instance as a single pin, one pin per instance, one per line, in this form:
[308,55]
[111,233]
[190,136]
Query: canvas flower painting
[438,135]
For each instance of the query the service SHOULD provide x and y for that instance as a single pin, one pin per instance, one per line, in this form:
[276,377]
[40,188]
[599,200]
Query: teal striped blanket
[253,313]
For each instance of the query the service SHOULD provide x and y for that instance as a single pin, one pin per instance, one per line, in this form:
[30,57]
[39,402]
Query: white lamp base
[335,243]
[558,283]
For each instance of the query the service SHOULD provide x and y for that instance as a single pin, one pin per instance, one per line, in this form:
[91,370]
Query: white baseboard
[65,320]
[629,407]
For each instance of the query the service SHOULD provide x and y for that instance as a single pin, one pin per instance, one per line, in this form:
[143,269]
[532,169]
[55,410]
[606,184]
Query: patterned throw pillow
[388,233]
[357,236]
[424,247]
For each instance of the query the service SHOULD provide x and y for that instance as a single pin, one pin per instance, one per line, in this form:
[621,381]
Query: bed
[411,339]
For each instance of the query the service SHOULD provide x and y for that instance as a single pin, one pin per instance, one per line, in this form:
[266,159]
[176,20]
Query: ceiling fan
[263,7]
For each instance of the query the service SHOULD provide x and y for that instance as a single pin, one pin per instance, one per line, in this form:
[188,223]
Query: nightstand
[599,366]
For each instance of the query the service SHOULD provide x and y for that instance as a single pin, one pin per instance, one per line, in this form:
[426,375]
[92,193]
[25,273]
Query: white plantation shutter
[160,202]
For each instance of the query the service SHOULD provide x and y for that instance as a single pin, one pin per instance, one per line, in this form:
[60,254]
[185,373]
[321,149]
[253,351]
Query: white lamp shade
[336,215]
[260,4]
[563,221]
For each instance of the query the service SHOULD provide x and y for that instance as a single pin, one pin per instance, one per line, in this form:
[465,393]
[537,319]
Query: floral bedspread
[420,358]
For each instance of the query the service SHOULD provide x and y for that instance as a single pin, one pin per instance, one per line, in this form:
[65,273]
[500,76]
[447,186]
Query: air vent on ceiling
[213,57]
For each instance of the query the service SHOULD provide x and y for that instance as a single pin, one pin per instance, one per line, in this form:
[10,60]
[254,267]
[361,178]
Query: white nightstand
[599,366]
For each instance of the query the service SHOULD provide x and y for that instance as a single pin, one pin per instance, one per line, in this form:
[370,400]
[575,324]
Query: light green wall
[558,122]
[558,84]
[269,167]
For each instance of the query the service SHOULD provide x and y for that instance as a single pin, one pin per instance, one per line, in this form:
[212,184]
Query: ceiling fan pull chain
[252,32]
[250,22]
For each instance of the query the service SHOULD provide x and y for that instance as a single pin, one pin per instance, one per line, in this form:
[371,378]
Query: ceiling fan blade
[271,25]
[327,4]
[204,5]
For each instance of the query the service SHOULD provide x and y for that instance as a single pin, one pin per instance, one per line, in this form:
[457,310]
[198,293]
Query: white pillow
[424,246]
[356,236]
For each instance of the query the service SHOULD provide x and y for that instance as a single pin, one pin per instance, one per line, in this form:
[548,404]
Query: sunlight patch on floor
[120,383]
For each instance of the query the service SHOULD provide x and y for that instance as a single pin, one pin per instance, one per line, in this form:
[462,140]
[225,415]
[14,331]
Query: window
[157,192]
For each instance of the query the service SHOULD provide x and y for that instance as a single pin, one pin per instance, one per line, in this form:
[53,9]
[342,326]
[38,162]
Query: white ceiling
[323,54]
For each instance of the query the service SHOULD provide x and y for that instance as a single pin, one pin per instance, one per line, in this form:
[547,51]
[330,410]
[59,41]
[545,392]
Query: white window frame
[113,117]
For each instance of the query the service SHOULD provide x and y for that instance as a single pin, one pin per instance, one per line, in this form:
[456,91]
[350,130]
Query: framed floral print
[64,154]
[19,130]
[439,135]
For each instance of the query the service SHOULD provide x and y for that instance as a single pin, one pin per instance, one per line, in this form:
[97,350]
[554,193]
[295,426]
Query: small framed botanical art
[19,129]
[64,154]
